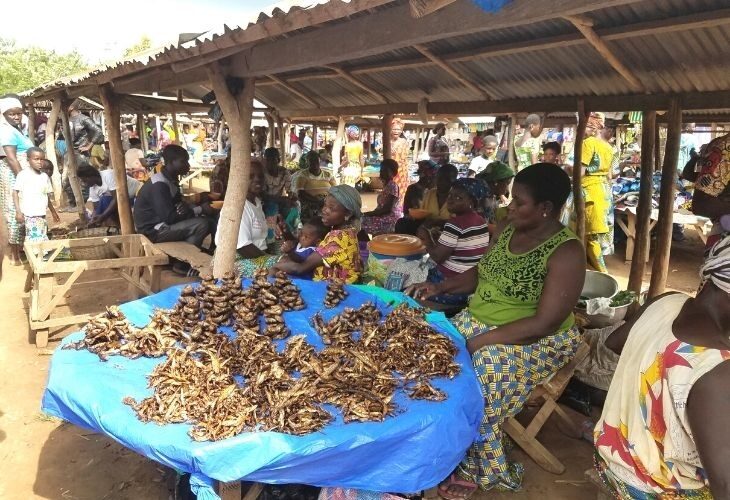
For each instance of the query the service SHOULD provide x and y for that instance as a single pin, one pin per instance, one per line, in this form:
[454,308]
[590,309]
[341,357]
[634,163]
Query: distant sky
[100,29]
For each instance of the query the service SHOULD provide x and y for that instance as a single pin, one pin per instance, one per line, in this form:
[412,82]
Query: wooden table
[132,254]
[629,226]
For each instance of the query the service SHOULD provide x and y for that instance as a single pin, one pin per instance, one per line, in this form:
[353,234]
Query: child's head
[47,167]
[88,175]
[35,158]
[312,233]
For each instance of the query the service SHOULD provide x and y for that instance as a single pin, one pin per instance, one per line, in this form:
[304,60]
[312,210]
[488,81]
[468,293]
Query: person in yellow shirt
[435,199]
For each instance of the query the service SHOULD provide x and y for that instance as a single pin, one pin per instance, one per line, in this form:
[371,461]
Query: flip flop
[443,490]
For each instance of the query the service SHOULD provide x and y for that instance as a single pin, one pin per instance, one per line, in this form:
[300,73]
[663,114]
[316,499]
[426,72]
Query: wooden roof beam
[294,91]
[452,71]
[585,26]
[347,76]
[420,8]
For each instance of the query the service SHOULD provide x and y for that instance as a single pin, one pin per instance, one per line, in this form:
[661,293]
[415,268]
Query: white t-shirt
[253,229]
[109,184]
[131,157]
[33,189]
[479,163]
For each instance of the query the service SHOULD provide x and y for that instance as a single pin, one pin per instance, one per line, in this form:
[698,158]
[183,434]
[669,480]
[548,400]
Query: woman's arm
[19,217]
[289,266]
[564,281]
[54,214]
[383,209]
[12,159]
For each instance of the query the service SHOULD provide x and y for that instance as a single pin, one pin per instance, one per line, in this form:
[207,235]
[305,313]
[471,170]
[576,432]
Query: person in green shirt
[527,145]
[519,324]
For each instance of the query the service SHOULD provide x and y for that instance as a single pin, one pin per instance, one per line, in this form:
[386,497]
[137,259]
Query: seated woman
[102,187]
[663,430]
[414,197]
[463,240]
[382,220]
[251,246]
[311,186]
[498,177]
[519,324]
[434,200]
[337,256]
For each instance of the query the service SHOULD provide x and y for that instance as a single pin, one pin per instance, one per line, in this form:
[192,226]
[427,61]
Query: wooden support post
[287,138]
[75,185]
[337,146]
[112,114]
[51,150]
[387,125]
[32,130]
[282,140]
[176,133]
[658,148]
[579,203]
[158,129]
[271,136]
[511,159]
[315,131]
[237,111]
[142,132]
[370,143]
[643,213]
[221,142]
[660,266]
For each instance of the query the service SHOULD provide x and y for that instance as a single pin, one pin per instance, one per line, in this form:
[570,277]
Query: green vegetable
[623,298]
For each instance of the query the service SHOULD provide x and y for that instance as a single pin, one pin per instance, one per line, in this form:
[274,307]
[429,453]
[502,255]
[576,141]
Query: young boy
[310,235]
[33,194]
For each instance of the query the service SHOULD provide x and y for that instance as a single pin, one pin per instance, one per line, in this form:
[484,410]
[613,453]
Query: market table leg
[630,232]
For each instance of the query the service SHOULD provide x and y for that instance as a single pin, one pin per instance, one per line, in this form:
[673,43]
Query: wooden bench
[187,252]
[546,395]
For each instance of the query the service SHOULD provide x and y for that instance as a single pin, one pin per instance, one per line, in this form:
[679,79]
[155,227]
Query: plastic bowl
[418,213]
[598,284]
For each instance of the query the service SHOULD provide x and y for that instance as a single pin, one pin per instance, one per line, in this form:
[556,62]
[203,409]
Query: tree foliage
[144,44]
[24,68]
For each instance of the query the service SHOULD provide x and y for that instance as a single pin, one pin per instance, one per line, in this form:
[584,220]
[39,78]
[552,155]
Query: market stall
[410,450]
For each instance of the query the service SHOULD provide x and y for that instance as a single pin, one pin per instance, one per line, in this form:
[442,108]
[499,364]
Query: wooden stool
[546,395]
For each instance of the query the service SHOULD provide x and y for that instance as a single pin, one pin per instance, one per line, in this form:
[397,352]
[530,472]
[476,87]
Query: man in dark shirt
[159,211]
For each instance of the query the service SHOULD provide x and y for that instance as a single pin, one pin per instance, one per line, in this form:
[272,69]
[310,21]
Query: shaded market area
[535,177]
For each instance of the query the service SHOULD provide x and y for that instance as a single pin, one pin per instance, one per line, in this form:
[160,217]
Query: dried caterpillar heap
[336,293]
[217,302]
[187,310]
[340,328]
[288,293]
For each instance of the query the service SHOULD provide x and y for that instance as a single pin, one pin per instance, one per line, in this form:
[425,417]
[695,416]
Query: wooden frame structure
[132,255]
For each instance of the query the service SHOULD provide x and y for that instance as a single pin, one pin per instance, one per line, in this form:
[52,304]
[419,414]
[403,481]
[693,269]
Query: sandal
[443,488]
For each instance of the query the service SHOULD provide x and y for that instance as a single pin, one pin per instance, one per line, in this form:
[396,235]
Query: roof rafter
[452,71]
[348,76]
[294,91]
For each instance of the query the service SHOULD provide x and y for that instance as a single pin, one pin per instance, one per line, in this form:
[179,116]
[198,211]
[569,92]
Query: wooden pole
[110,101]
[221,126]
[337,146]
[271,136]
[660,266]
[643,213]
[31,123]
[72,166]
[658,148]
[237,111]
[387,125]
[176,132]
[315,131]
[158,128]
[511,142]
[142,132]
[579,203]
[282,141]
[51,150]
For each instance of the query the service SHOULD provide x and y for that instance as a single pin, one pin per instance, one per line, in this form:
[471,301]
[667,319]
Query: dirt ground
[46,458]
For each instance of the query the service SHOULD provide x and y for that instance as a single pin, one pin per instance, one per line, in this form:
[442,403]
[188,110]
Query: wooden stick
[237,111]
[660,267]
[31,123]
[387,125]
[511,142]
[112,114]
[579,203]
[282,142]
[271,135]
[72,166]
[51,150]
[643,213]
[337,146]
[142,132]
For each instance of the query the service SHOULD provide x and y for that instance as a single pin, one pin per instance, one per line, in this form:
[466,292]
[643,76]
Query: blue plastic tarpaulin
[408,452]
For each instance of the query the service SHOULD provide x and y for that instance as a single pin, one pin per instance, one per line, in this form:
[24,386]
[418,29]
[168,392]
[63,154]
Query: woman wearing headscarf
[519,325]
[498,176]
[463,240]
[337,255]
[399,149]
[663,430]
[353,161]
[596,159]
[14,146]
[382,219]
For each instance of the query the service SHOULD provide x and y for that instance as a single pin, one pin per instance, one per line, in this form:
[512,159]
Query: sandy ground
[46,458]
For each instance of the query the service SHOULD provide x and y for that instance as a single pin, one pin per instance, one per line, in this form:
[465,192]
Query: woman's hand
[287,246]
[422,291]
[475,343]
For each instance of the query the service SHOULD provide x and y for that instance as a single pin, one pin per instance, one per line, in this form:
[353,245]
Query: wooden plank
[660,267]
[90,265]
[71,165]
[397,29]
[55,293]
[420,8]
[643,213]
[65,321]
[187,252]
[253,491]
[579,204]
[585,26]
[135,283]
[532,447]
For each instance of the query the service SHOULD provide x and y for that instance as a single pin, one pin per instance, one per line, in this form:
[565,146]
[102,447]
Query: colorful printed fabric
[7,206]
[36,229]
[597,156]
[430,203]
[643,436]
[468,237]
[383,224]
[399,152]
[248,267]
[507,375]
[353,169]
[714,168]
[276,184]
[341,256]
[528,148]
